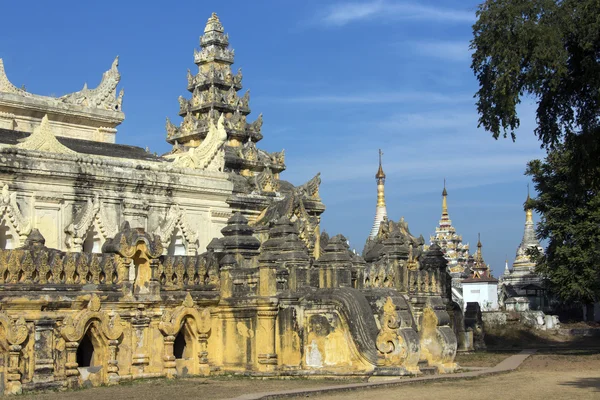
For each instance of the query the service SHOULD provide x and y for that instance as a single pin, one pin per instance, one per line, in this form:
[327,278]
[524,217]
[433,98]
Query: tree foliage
[547,49]
[570,210]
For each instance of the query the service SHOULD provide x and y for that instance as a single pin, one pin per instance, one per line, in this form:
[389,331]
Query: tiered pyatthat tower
[214,95]
[450,242]
[381,210]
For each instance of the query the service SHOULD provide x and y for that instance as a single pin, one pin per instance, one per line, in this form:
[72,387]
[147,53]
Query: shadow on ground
[585,383]
[515,338]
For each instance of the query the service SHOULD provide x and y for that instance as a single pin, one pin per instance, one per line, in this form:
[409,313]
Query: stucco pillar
[168,357]
[13,376]
[140,323]
[43,349]
[113,364]
[71,371]
[265,340]
[203,353]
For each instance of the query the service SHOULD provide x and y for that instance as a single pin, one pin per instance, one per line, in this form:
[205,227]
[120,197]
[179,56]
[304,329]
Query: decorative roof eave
[7,87]
[102,102]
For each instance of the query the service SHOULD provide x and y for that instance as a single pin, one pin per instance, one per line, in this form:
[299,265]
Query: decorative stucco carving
[209,155]
[171,321]
[15,331]
[93,211]
[104,95]
[6,86]
[390,344]
[42,139]
[74,327]
[9,209]
[266,182]
[176,218]
[311,188]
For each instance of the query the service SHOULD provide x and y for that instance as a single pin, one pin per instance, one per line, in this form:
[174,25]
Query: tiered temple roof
[478,269]
[214,93]
[455,251]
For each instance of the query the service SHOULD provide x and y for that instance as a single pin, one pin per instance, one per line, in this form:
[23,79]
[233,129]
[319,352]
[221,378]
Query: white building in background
[483,291]
[480,286]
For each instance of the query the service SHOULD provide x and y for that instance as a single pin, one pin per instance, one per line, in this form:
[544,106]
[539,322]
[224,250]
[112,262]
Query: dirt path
[541,376]
[546,377]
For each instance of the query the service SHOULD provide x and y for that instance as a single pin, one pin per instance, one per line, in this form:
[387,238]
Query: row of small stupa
[461,264]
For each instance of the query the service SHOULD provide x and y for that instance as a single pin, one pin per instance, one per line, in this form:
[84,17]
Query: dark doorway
[179,345]
[85,352]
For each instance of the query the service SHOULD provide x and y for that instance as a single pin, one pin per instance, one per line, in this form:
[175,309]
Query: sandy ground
[574,375]
[544,376]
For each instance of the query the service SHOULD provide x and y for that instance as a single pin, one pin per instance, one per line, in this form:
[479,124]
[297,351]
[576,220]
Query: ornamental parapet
[39,265]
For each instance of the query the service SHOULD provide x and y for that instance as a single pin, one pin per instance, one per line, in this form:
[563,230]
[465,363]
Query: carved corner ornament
[104,96]
[10,209]
[15,330]
[209,155]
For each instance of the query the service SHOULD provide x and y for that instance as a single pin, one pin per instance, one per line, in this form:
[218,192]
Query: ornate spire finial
[528,207]
[213,24]
[444,202]
[381,210]
[380,174]
[478,241]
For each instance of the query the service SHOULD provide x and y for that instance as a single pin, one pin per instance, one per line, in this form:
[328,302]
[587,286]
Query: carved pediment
[92,212]
[176,218]
[42,139]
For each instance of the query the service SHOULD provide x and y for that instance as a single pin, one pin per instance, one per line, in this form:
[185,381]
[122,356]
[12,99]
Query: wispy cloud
[445,50]
[378,98]
[345,13]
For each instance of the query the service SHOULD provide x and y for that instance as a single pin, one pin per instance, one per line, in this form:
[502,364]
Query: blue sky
[335,81]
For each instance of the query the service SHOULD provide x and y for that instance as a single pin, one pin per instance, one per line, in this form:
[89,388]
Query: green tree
[546,49]
[570,211]
[549,50]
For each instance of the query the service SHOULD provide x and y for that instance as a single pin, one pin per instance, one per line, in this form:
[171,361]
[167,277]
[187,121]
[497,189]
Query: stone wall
[76,319]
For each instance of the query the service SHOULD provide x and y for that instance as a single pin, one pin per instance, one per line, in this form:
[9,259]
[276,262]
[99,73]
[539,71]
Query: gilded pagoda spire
[528,208]
[444,201]
[381,209]
[523,262]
